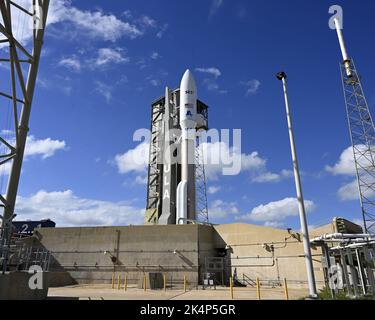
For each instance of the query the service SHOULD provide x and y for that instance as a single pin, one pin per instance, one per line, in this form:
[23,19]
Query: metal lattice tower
[164,170]
[21,38]
[201,185]
[362,133]
[154,183]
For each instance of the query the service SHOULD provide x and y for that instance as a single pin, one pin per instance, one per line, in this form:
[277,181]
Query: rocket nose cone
[187,72]
[188,79]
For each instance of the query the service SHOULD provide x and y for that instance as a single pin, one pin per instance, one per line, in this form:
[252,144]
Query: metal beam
[23,126]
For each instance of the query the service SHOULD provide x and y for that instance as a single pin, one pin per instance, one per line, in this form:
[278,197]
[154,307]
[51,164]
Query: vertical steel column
[369,271]
[23,127]
[345,271]
[353,272]
[301,206]
[329,275]
[360,269]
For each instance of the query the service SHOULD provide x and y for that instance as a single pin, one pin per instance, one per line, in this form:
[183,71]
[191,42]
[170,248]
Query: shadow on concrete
[62,298]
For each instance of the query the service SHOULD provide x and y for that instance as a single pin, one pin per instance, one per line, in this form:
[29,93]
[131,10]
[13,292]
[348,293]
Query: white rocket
[188,123]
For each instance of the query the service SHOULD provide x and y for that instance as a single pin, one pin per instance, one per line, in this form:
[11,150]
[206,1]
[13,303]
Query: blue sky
[104,62]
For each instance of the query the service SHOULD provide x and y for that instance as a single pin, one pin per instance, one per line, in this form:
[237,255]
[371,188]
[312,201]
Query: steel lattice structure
[19,55]
[362,133]
[201,185]
[164,169]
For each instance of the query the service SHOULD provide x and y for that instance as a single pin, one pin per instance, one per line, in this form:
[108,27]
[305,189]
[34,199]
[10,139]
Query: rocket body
[188,123]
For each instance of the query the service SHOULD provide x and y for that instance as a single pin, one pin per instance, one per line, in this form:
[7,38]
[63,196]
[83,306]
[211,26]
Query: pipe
[353,245]
[342,236]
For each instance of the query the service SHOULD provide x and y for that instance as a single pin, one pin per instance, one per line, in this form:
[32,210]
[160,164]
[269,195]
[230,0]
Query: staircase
[246,281]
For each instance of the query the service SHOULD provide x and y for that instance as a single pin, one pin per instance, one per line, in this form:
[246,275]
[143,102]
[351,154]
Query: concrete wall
[78,253]
[251,259]
[15,286]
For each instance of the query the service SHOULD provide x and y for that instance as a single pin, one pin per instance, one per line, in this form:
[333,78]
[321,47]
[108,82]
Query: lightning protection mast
[362,134]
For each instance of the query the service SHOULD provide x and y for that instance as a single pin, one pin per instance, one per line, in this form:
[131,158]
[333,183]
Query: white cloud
[211,71]
[45,148]
[104,90]
[213,189]
[134,160]
[104,57]
[68,210]
[155,55]
[272,177]
[218,156]
[142,180]
[212,85]
[345,165]
[5,169]
[73,63]
[350,192]
[162,30]
[277,211]
[108,55]
[252,86]
[154,82]
[220,209]
[95,24]
[215,6]
[148,21]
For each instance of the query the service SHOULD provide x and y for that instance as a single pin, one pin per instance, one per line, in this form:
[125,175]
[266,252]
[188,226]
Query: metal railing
[18,255]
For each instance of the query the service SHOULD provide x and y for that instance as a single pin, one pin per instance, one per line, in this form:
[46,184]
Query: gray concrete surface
[15,286]
[78,253]
[104,292]
[175,251]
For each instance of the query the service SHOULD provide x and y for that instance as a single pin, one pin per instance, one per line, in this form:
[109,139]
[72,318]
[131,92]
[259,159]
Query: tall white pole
[301,205]
[345,56]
